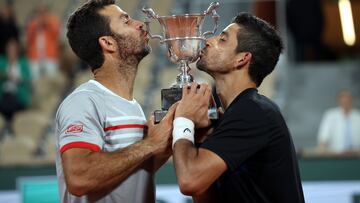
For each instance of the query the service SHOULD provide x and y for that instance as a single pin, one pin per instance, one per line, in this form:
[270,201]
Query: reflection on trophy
[184,40]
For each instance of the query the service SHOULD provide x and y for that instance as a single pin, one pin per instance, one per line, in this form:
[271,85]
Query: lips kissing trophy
[184,39]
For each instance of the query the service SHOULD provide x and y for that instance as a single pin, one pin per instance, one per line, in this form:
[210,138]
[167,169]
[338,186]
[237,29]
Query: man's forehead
[111,10]
[233,27]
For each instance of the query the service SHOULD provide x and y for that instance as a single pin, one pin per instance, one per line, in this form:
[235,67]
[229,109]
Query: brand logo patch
[76,128]
[187,129]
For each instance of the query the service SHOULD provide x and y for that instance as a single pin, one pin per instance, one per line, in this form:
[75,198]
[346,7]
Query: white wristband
[183,128]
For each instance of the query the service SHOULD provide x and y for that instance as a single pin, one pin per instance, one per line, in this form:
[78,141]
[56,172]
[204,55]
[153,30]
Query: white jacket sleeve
[325,129]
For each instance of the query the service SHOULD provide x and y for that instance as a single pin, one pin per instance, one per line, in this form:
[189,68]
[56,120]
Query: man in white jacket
[339,130]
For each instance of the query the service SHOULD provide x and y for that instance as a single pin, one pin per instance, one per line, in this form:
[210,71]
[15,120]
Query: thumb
[171,112]
[151,121]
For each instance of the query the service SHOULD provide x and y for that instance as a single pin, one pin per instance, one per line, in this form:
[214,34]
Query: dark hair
[262,41]
[84,28]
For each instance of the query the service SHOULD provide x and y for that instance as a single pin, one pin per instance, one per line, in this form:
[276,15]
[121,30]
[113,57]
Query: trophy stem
[184,76]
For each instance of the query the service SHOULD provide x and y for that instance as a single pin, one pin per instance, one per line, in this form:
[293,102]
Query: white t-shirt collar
[101,86]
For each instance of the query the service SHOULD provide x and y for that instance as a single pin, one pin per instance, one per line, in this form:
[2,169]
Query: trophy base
[170,96]
[159,115]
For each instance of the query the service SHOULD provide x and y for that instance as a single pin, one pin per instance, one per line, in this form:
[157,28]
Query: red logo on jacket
[75,128]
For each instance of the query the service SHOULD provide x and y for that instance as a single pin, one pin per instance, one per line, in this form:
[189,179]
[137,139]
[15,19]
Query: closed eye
[125,18]
[223,36]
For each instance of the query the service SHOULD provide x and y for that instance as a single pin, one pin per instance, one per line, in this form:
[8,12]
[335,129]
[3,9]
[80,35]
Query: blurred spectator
[15,84]
[42,42]
[339,130]
[306,23]
[8,26]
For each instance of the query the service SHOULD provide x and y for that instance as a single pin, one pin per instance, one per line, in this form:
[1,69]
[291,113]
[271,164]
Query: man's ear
[108,44]
[243,59]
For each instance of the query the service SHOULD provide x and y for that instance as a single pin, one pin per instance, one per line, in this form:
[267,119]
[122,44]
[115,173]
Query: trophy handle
[150,13]
[212,10]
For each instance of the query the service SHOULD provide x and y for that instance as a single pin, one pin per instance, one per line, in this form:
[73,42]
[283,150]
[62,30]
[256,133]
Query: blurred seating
[15,84]
[82,77]
[143,78]
[30,124]
[46,90]
[49,150]
[129,6]
[17,150]
[2,124]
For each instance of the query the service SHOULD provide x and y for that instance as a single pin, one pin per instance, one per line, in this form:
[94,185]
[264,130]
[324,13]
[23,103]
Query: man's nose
[209,42]
[140,25]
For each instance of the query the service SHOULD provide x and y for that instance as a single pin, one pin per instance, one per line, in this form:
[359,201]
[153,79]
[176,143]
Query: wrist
[151,146]
[183,128]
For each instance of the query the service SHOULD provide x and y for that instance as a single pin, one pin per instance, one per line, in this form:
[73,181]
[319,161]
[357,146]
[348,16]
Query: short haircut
[262,41]
[84,28]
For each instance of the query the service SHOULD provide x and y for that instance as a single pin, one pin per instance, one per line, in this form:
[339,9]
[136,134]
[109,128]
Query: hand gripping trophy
[184,39]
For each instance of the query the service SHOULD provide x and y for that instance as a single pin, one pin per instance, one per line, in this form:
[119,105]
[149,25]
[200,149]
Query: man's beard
[131,49]
[201,65]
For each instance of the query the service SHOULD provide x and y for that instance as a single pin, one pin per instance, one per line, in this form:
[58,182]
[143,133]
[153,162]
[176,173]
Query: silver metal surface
[183,36]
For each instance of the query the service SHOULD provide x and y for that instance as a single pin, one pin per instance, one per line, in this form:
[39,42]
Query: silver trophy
[184,40]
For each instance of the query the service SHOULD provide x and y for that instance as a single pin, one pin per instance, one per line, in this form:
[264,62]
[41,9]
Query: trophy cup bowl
[184,39]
